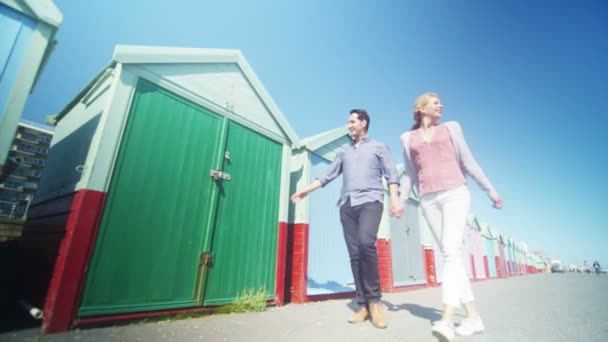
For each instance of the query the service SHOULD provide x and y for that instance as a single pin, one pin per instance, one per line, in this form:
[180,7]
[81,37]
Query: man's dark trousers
[360,226]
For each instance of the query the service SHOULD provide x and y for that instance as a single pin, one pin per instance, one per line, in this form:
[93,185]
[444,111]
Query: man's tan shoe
[359,316]
[377,312]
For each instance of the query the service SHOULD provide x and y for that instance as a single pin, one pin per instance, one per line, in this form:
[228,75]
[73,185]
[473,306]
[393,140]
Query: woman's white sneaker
[470,326]
[444,331]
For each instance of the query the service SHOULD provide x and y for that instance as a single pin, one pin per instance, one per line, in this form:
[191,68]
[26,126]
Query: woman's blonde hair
[419,104]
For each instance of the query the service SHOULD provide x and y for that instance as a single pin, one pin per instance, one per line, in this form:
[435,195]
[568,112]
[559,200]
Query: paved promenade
[535,308]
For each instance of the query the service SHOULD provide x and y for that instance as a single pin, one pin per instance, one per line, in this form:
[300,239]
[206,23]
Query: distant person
[437,159]
[596,267]
[362,164]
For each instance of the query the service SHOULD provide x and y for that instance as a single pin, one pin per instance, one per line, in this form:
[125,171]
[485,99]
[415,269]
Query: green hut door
[244,246]
[158,213]
[173,235]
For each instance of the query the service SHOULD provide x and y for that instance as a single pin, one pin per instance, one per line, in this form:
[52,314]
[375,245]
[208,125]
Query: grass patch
[248,301]
[173,317]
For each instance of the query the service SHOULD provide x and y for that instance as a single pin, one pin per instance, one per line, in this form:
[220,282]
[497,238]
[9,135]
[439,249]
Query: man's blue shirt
[362,170]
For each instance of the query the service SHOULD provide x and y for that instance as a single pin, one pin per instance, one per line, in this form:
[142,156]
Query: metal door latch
[219,175]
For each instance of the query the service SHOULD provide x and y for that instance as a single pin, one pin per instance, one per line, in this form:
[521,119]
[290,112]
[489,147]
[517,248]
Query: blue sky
[527,80]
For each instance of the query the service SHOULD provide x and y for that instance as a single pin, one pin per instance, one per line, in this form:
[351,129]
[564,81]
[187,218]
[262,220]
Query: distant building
[27,40]
[27,157]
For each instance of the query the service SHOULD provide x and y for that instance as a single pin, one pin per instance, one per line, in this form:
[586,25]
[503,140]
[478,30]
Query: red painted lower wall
[279,290]
[431,270]
[385,265]
[486,266]
[297,262]
[297,266]
[499,270]
[67,282]
[474,273]
[74,253]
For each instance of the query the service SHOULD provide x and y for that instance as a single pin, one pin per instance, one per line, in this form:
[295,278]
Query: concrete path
[542,307]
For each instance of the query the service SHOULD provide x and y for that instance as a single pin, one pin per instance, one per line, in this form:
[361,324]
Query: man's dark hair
[362,115]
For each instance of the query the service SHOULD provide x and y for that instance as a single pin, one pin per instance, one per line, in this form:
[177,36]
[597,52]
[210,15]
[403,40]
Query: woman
[437,159]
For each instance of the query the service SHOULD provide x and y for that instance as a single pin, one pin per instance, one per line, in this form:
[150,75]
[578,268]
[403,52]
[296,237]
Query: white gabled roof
[127,54]
[471,219]
[328,144]
[499,235]
[315,142]
[136,54]
[43,10]
[485,229]
[46,11]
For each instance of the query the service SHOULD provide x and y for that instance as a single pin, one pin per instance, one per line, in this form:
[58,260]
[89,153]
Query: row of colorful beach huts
[167,189]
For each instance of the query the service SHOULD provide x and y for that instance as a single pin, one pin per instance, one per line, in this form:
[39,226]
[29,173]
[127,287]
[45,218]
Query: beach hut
[516,257]
[490,261]
[432,253]
[167,185]
[501,265]
[469,247]
[521,256]
[318,259]
[477,248]
[509,256]
[28,29]
[401,244]
[529,260]
[538,262]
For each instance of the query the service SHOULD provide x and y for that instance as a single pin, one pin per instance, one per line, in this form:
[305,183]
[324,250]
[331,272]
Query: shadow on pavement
[430,314]
[353,305]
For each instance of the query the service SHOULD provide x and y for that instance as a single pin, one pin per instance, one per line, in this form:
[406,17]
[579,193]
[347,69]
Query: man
[596,266]
[363,164]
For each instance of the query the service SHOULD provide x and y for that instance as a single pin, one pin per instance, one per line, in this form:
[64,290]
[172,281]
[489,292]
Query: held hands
[397,208]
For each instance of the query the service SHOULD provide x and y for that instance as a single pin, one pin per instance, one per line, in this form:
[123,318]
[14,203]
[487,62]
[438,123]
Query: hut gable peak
[220,79]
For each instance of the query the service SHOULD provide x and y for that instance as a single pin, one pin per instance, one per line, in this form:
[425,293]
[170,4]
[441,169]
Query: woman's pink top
[435,161]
